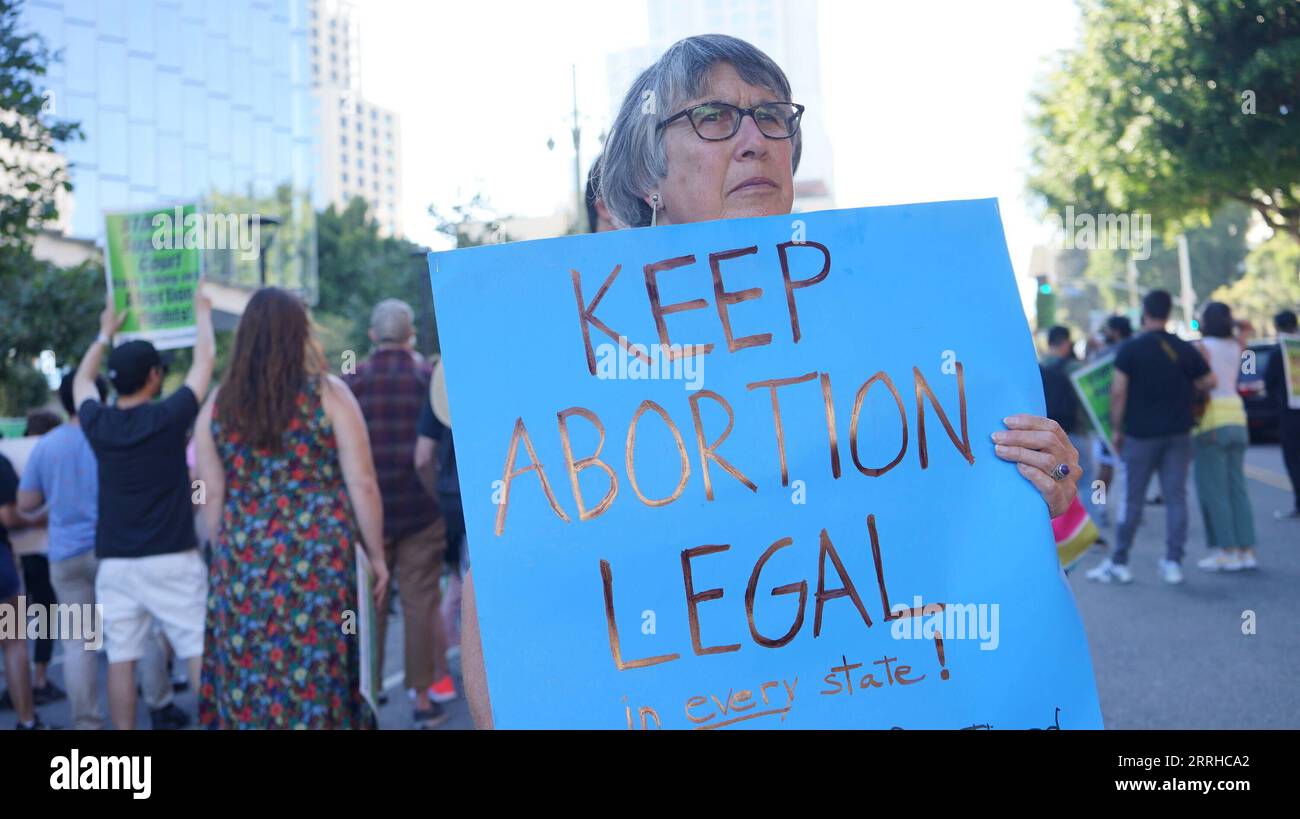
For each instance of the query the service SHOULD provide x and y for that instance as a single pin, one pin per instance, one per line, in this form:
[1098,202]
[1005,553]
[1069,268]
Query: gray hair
[634,159]
[392,321]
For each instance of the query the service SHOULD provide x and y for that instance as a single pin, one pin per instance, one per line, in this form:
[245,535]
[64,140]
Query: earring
[654,209]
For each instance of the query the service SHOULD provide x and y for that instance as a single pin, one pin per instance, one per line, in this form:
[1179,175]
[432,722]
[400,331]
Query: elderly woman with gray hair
[710,132]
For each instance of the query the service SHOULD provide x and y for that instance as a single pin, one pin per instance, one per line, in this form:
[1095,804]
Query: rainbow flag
[1074,532]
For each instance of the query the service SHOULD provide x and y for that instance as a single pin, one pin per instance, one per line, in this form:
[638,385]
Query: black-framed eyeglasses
[717,121]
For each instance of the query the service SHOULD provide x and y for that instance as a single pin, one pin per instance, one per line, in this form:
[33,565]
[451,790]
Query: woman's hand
[1036,446]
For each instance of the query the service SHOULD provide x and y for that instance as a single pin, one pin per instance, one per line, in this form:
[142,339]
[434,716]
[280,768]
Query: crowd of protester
[1175,412]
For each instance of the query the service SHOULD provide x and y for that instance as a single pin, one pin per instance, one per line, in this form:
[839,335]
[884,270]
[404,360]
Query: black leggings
[1290,432]
[36,577]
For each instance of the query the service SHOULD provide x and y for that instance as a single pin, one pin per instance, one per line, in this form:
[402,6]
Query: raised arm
[83,383]
[358,474]
[200,374]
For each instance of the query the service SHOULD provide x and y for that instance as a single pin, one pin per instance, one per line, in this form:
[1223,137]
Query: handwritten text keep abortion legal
[707,455]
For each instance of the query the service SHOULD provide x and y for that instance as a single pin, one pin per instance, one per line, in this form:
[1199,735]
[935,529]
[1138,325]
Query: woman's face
[747,175]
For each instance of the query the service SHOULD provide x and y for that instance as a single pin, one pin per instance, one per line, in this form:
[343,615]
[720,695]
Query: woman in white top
[1221,441]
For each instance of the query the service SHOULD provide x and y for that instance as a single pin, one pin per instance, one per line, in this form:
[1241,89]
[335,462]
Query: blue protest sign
[739,474]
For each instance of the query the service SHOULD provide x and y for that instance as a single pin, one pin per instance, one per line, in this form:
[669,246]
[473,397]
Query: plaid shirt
[392,388]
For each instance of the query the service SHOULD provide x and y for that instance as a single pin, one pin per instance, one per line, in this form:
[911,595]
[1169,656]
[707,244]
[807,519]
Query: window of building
[344,177]
[343,140]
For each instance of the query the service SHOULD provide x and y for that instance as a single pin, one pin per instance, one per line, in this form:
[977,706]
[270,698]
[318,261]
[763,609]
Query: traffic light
[1045,304]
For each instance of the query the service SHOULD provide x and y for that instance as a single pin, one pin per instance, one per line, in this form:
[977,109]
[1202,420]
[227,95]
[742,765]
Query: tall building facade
[183,100]
[786,30]
[360,143]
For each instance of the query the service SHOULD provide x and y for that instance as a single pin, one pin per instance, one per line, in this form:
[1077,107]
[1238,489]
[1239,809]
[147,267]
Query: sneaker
[1248,559]
[168,718]
[1291,515]
[47,694]
[1220,561]
[443,690]
[432,718]
[1171,572]
[1109,572]
[35,725]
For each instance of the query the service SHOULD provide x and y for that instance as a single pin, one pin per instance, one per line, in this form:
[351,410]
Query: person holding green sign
[149,564]
[1275,375]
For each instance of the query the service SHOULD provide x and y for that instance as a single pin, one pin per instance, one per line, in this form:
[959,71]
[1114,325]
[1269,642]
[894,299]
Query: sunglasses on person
[717,121]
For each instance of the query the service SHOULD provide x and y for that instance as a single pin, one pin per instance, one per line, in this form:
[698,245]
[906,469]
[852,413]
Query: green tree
[1174,107]
[43,307]
[1272,281]
[357,268]
[30,172]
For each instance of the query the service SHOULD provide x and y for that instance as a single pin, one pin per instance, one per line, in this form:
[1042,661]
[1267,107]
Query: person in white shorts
[149,563]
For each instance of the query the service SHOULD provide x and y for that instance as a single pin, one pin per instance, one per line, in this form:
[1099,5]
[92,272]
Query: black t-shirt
[448,484]
[1058,392]
[1160,368]
[144,483]
[8,491]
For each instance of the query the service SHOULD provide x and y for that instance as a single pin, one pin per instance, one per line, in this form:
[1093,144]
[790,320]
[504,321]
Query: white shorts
[171,589]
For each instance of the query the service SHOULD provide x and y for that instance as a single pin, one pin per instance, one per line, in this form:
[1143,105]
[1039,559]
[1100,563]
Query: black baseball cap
[129,366]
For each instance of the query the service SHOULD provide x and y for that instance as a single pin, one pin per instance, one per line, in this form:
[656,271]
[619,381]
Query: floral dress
[278,649]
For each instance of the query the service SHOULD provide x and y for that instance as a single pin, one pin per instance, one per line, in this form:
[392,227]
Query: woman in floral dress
[291,492]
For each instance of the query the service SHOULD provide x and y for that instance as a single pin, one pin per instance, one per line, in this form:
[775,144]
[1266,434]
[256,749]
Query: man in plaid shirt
[392,386]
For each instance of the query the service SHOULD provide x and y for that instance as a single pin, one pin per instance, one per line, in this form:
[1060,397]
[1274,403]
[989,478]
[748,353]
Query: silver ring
[1058,474]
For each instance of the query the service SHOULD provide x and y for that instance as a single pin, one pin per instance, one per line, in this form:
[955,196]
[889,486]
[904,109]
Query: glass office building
[189,99]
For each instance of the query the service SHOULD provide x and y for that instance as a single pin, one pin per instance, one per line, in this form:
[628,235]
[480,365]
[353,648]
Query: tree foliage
[41,306]
[1174,107]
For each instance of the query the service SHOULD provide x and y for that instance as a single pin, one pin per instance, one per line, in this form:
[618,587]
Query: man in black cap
[149,563]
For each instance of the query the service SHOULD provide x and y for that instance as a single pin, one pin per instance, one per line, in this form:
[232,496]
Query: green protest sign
[1092,384]
[153,266]
[1290,350]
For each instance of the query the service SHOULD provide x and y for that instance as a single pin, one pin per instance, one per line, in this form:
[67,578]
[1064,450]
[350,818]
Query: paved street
[1164,656]
[1175,656]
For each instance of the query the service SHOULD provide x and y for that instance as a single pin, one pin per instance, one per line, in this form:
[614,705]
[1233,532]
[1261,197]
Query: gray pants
[1170,457]
[74,584]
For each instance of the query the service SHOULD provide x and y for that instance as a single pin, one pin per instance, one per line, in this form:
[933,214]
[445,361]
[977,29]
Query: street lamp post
[267,236]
